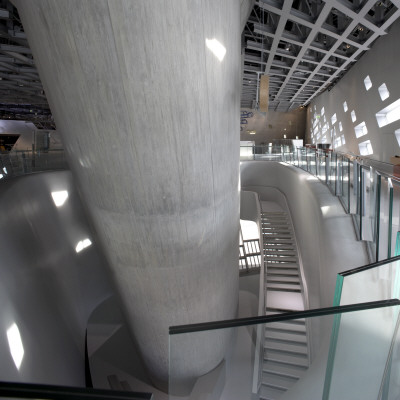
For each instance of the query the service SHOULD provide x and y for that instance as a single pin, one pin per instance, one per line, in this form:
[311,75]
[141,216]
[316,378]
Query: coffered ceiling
[306,46]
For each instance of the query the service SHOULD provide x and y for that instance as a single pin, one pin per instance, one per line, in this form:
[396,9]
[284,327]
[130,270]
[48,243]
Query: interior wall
[47,289]
[274,125]
[325,234]
[381,65]
[27,132]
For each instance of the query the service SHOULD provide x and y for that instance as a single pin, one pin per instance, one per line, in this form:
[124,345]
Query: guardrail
[22,162]
[368,189]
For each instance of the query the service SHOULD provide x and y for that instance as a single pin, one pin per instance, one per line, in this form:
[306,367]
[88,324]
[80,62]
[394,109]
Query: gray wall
[381,64]
[46,288]
[273,125]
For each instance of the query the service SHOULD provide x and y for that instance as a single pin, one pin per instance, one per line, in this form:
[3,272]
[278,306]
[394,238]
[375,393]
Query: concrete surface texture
[149,118]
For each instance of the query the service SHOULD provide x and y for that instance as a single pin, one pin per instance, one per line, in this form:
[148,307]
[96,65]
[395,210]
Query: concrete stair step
[276,224]
[268,240]
[301,323]
[274,261]
[282,285]
[280,252]
[275,234]
[276,379]
[281,266]
[286,327]
[287,357]
[270,393]
[283,367]
[286,338]
[275,229]
[278,247]
[298,350]
[289,273]
[274,288]
[290,279]
[284,301]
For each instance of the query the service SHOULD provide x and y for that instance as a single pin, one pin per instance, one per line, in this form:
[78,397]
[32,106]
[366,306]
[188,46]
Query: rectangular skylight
[345,108]
[365,148]
[333,119]
[340,126]
[353,116]
[389,114]
[361,129]
[338,142]
[397,134]
[383,91]
[367,82]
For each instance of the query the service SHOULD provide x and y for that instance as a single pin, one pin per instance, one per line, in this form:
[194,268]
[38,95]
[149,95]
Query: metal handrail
[286,316]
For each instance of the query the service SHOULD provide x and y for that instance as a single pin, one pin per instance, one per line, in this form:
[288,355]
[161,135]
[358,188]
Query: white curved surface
[47,289]
[325,234]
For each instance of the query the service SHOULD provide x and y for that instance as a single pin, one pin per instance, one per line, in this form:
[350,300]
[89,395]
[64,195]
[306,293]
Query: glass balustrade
[365,187]
[21,162]
[377,281]
[333,353]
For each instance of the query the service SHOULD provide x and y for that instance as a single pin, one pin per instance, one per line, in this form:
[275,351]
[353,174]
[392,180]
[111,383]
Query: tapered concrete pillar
[149,116]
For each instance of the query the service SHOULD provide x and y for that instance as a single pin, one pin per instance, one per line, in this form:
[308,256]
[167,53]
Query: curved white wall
[47,289]
[325,234]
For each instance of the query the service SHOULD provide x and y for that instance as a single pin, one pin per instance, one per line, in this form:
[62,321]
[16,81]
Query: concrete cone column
[149,116]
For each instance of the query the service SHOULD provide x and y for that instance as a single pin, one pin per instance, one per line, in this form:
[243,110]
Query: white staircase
[285,343]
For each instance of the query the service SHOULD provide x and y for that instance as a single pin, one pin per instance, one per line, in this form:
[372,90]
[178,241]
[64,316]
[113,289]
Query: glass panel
[321,165]
[358,196]
[332,169]
[391,384]
[303,158]
[366,188]
[386,197]
[354,186]
[312,161]
[361,345]
[343,184]
[381,282]
[395,228]
[246,153]
[224,360]
[20,162]
[285,356]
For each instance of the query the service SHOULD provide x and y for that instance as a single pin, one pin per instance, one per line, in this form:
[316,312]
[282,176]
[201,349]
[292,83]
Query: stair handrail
[259,348]
[285,316]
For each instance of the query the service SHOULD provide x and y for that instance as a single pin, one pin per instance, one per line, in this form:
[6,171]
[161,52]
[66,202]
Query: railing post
[390,218]
[377,214]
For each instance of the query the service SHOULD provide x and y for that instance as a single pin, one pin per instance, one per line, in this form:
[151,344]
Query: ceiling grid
[306,46]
